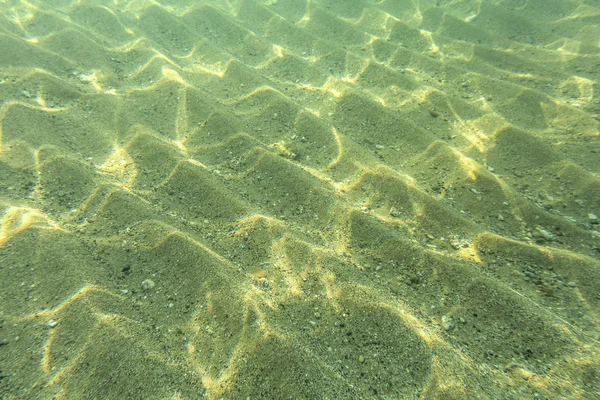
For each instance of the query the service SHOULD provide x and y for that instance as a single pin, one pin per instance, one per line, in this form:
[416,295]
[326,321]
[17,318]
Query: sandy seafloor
[299,199]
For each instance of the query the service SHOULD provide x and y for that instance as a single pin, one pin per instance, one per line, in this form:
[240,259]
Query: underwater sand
[299,199]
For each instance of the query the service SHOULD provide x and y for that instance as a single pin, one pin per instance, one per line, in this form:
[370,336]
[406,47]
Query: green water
[299,199]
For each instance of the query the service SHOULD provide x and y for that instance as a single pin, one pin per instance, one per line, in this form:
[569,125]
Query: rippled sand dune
[300,199]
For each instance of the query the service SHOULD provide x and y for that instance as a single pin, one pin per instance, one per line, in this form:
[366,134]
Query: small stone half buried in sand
[148,284]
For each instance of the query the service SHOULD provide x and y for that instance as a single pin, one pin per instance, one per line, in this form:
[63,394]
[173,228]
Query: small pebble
[448,322]
[543,234]
[148,284]
[593,218]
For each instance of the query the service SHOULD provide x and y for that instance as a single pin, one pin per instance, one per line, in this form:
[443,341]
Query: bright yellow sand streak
[17,219]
